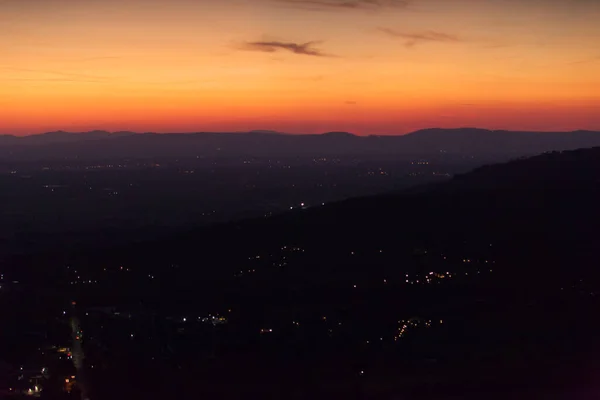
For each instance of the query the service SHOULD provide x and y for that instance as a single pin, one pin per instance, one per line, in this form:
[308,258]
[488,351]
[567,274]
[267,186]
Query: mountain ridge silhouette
[493,145]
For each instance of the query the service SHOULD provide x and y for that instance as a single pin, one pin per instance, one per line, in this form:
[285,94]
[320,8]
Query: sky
[298,66]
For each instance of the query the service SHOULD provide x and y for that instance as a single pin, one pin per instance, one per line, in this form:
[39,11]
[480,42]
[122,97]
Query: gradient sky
[300,66]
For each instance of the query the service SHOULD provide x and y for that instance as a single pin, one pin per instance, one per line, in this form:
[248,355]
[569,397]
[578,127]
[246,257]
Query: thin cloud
[496,45]
[91,59]
[329,5]
[306,49]
[586,61]
[351,103]
[51,80]
[415,38]
[58,73]
[315,78]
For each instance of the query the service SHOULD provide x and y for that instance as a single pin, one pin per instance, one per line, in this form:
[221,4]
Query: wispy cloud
[329,5]
[50,80]
[313,78]
[93,59]
[586,61]
[72,75]
[306,49]
[414,38]
[42,75]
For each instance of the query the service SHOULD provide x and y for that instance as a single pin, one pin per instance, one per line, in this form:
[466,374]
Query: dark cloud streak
[414,38]
[306,49]
[330,5]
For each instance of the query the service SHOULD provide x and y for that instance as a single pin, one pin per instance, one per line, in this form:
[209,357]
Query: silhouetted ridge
[482,145]
[449,132]
[339,134]
[264,132]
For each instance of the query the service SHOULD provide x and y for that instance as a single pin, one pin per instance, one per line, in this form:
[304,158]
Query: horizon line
[275,132]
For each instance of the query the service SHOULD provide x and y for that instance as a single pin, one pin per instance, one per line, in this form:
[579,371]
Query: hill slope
[483,284]
[542,209]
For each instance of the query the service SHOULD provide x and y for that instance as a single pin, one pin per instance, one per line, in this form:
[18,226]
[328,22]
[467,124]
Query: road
[78,355]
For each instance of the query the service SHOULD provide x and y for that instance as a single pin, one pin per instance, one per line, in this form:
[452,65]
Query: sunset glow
[305,66]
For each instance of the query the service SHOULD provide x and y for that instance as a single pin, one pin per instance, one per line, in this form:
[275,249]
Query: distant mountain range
[469,142]
[61,137]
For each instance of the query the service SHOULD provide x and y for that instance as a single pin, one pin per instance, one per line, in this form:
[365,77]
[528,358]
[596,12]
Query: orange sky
[370,66]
